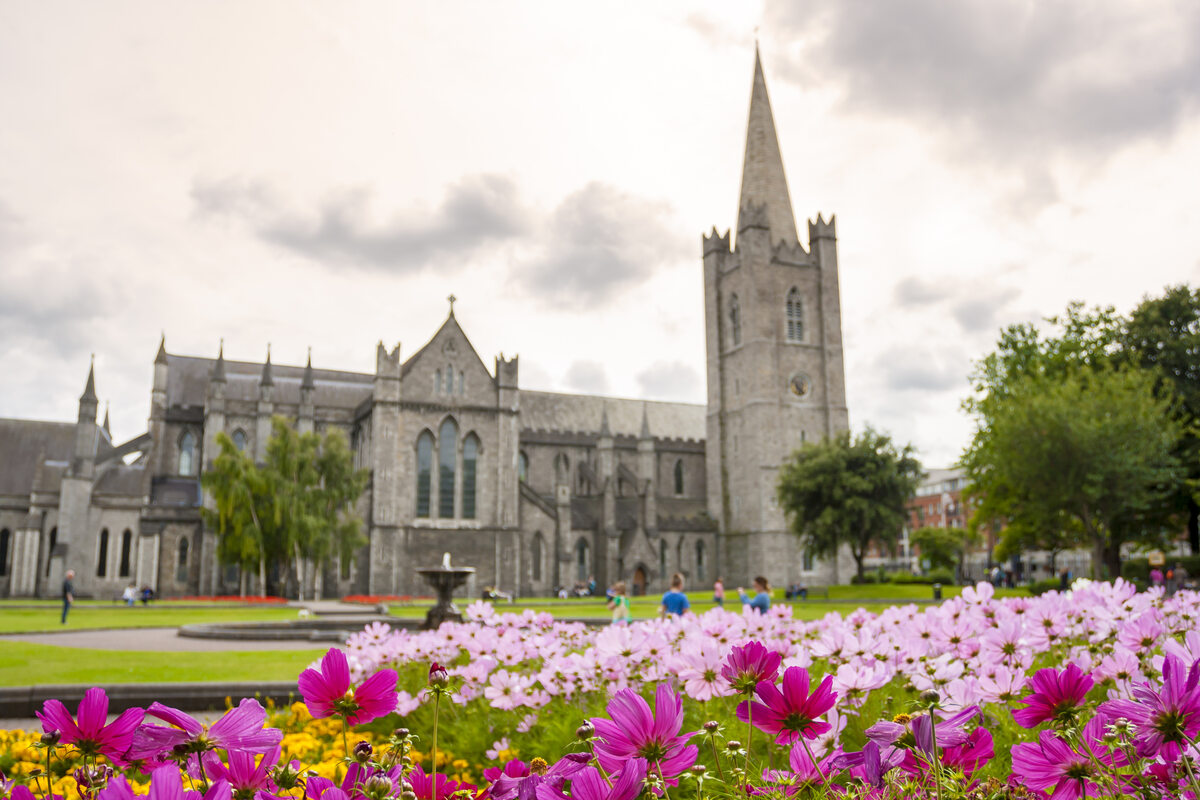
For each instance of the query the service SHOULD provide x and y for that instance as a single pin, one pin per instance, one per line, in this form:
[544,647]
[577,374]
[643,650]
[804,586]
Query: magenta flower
[971,754]
[1164,720]
[165,784]
[634,732]
[509,786]
[1056,696]
[90,735]
[423,785]
[749,665]
[327,693]
[792,713]
[1050,762]
[247,775]
[240,729]
[588,784]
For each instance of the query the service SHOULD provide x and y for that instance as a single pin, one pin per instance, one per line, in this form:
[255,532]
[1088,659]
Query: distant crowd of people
[675,601]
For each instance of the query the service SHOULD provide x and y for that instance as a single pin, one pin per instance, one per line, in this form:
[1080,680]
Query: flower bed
[1091,693]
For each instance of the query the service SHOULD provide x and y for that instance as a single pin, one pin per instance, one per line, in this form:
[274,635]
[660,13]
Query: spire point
[219,370]
[764,183]
[451,298]
[645,423]
[107,429]
[89,391]
[266,380]
[308,382]
[161,357]
[604,429]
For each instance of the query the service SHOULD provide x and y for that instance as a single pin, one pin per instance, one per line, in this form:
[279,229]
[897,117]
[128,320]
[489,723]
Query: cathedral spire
[308,382]
[218,375]
[89,391]
[604,429]
[161,357]
[266,371]
[645,434]
[105,426]
[763,179]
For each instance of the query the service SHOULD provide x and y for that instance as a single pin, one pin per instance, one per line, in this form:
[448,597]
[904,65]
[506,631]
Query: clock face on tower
[799,385]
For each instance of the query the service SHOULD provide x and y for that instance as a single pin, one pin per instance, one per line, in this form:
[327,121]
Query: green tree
[1163,334]
[1090,446]
[297,507]
[944,547]
[849,491]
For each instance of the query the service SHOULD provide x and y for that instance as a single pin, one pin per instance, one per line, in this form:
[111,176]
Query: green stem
[49,785]
[437,701]
[937,762]
[813,759]
[662,778]
[749,737]
[712,740]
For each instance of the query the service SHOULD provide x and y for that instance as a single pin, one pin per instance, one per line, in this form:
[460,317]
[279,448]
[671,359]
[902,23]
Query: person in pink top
[719,593]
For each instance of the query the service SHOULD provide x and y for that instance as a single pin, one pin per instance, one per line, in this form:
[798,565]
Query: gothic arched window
[187,454]
[735,320]
[470,457]
[4,538]
[424,472]
[449,379]
[662,559]
[581,561]
[535,556]
[126,552]
[181,561]
[239,440]
[437,382]
[807,562]
[447,467]
[795,316]
[50,543]
[522,467]
[701,567]
[102,555]
[679,477]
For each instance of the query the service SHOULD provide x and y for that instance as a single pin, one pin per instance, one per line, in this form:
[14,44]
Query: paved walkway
[160,639]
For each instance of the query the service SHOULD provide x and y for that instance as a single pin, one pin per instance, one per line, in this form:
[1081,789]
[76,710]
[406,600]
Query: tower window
[679,477]
[187,454]
[522,467]
[735,320]
[470,456]
[4,538]
[795,316]
[424,472]
[581,561]
[535,556]
[701,566]
[181,563]
[437,382]
[447,467]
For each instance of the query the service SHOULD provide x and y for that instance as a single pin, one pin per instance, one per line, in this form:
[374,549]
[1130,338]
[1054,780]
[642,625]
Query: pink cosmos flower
[749,665]
[90,735]
[971,754]
[436,786]
[701,672]
[634,732]
[246,774]
[327,693]
[1056,696]
[523,784]
[240,728]
[1167,719]
[792,713]
[165,784]
[588,784]
[1050,762]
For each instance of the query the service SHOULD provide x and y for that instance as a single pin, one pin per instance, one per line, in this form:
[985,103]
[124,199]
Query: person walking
[130,594]
[719,593]
[674,602]
[68,593]
[762,596]
[618,604]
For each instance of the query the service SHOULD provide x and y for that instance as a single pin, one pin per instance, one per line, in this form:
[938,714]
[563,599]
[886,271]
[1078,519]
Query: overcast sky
[324,174]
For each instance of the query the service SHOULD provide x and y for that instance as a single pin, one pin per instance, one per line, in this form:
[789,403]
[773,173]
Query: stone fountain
[444,580]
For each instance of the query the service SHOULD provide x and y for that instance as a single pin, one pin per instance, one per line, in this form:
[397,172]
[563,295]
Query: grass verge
[48,664]
[85,617]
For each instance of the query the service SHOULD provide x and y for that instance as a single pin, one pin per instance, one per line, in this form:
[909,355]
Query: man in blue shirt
[674,602]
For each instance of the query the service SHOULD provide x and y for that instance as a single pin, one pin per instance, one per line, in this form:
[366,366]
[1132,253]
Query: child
[674,602]
[618,603]
[719,593]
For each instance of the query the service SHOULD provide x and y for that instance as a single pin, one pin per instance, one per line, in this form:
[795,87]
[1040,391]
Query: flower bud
[712,726]
[438,676]
[362,752]
[408,796]
[378,787]
[286,776]
[585,731]
[699,769]
[400,733]
[930,697]
[51,738]
[733,745]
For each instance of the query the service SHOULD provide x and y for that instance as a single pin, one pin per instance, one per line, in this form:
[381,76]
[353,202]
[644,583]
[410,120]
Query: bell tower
[774,354]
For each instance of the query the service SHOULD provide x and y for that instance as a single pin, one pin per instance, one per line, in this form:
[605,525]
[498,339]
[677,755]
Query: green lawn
[48,664]
[84,616]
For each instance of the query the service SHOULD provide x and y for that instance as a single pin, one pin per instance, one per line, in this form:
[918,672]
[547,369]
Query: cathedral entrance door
[639,581]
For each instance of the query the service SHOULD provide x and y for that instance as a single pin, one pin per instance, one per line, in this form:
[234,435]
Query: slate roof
[122,479]
[23,442]
[188,377]
[581,413]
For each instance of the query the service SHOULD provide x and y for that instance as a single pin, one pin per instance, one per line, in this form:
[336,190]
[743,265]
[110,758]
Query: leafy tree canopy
[849,491]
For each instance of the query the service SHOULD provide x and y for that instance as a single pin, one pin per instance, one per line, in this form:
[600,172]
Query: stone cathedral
[536,490]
